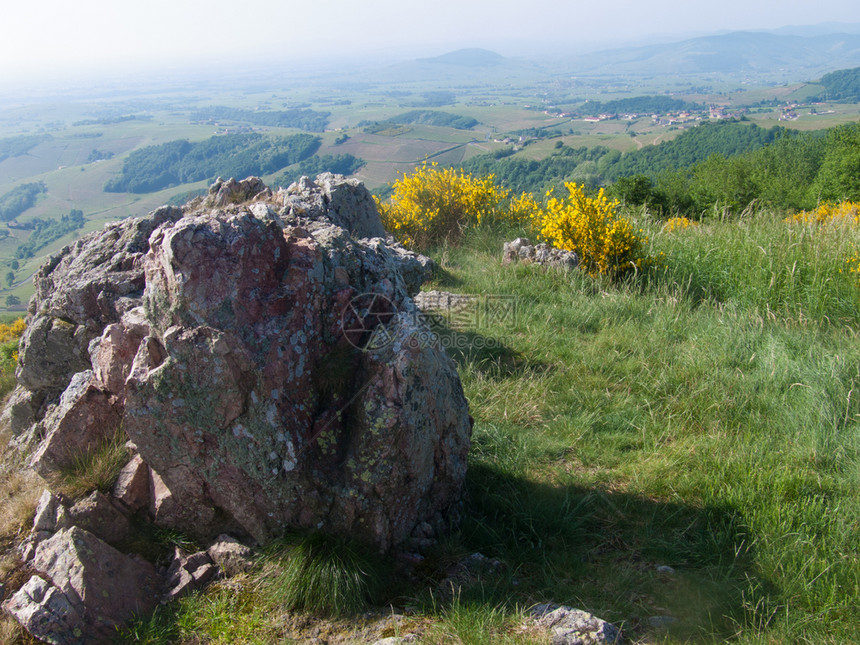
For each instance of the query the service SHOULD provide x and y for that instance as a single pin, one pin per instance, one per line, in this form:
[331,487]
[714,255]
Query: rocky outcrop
[263,355]
[188,573]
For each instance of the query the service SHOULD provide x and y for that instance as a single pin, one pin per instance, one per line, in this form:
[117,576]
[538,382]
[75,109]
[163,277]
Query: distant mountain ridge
[734,52]
[822,29]
[469,57]
[784,55]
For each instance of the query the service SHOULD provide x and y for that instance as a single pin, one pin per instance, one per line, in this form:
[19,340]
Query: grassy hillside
[677,453]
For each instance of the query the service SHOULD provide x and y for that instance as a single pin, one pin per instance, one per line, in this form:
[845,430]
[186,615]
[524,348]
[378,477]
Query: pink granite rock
[98,514]
[231,556]
[84,417]
[84,590]
[132,487]
[188,573]
[47,613]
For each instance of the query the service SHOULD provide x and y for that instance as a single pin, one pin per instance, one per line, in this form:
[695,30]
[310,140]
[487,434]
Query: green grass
[228,614]
[97,469]
[475,623]
[321,576]
[704,417]
[761,265]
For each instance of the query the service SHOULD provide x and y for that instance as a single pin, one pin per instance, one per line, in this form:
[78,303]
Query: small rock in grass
[660,622]
[569,626]
[231,556]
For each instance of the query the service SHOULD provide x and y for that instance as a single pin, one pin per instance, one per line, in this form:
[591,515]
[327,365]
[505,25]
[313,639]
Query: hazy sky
[55,35]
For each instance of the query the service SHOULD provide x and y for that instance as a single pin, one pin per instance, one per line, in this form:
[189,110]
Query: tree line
[46,231]
[299,118]
[637,105]
[234,155]
[20,145]
[727,164]
[842,85]
[421,117]
[599,165]
[19,199]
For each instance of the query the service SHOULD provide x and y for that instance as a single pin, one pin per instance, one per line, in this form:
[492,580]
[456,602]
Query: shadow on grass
[489,355]
[607,552]
[443,278]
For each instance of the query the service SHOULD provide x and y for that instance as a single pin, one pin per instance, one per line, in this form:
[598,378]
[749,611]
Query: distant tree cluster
[20,145]
[437,98]
[791,173]
[340,164]
[599,165]
[726,138]
[111,120]
[841,85]
[433,117]
[527,175]
[638,105]
[538,133]
[386,128]
[422,117]
[300,118]
[99,155]
[233,155]
[47,231]
[19,199]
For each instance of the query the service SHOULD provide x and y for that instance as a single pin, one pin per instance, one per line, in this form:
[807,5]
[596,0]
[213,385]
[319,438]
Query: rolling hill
[738,52]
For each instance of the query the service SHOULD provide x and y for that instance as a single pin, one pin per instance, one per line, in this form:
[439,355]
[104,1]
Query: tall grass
[96,469]
[760,262]
[702,415]
[322,575]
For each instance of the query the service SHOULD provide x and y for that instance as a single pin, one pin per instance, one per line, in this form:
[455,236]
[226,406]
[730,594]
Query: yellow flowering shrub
[846,212]
[678,224]
[523,210]
[12,331]
[434,204]
[606,243]
[9,335]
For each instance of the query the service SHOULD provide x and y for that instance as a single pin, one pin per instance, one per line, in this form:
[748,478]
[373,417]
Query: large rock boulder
[262,352]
